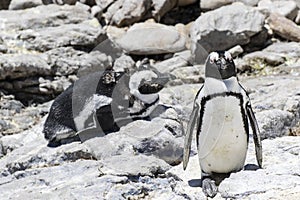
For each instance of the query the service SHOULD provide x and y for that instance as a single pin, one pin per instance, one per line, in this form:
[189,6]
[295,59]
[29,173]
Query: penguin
[102,102]
[221,117]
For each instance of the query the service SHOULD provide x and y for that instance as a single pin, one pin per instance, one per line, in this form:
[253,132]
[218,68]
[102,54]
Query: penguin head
[220,65]
[146,82]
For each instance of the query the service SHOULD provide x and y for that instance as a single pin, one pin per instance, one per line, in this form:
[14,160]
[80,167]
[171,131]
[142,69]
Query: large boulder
[226,27]
[142,39]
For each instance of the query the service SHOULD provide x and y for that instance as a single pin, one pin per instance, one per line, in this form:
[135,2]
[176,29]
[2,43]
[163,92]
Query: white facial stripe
[135,81]
[227,55]
[213,57]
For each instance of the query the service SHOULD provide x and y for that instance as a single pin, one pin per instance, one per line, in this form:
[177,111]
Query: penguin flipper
[256,134]
[189,134]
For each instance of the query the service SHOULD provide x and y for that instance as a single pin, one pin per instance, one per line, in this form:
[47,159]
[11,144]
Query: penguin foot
[209,187]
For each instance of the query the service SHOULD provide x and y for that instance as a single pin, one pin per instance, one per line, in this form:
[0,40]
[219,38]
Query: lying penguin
[102,102]
[221,114]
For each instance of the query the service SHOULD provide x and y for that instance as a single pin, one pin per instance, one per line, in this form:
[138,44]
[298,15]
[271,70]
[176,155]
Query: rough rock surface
[145,41]
[23,4]
[126,12]
[284,27]
[288,9]
[44,48]
[237,23]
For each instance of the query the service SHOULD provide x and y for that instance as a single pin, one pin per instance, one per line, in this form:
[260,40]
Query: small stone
[213,4]
[236,51]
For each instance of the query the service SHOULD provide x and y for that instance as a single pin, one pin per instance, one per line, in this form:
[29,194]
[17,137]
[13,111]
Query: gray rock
[87,34]
[267,183]
[222,29]
[179,60]
[248,2]
[213,4]
[297,20]
[59,2]
[159,137]
[236,51]
[23,4]
[284,27]
[288,9]
[4,4]
[127,12]
[269,58]
[22,66]
[276,104]
[161,7]
[45,16]
[141,39]
[189,75]
[286,49]
[133,165]
[93,62]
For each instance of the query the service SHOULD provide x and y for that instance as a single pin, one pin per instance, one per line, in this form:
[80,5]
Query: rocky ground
[45,45]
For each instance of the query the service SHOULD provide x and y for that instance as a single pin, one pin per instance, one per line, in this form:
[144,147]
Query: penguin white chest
[222,140]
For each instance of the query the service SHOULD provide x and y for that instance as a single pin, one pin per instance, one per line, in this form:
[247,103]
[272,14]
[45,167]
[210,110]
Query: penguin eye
[214,56]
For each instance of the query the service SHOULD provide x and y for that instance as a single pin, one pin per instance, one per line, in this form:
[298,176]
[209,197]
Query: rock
[286,49]
[93,62]
[45,16]
[4,4]
[141,39]
[85,35]
[185,2]
[127,12]
[271,59]
[179,60]
[284,27]
[159,137]
[236,51]
[288,9]
[188,75]
[24,4]
[161,7]
[133,166]
[213,4]
[276,104]
[297,20]
[222,29]
[248,2]
[59,2]
[22,66]
[280,162]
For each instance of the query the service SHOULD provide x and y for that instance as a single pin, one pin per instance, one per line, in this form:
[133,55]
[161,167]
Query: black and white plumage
[102,102]
[221,114]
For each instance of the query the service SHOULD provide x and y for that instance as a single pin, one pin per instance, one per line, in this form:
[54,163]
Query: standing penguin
[222,113]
